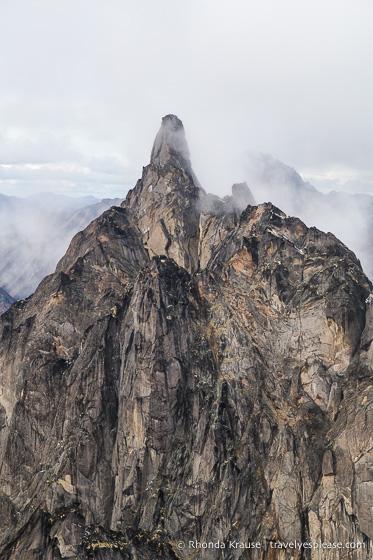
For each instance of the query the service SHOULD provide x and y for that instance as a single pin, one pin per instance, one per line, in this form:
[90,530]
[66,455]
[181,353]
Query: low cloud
[51,163]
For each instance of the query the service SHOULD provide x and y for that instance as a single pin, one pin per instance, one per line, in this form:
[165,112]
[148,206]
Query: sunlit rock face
[190,372]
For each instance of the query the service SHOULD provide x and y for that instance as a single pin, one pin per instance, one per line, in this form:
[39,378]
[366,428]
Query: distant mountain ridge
[5,301]
[48,201]
[34,234]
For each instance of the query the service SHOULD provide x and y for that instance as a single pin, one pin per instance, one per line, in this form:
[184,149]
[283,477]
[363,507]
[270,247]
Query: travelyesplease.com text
[292,545]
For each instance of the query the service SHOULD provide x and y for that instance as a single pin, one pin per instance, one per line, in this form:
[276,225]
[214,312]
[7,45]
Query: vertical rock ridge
[165,201]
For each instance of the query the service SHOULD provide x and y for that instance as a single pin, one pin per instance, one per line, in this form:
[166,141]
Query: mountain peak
[172,121]
[180,348]
[165,201]
[170,148]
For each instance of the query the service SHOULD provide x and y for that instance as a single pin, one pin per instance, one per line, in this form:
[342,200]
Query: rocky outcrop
[189,374]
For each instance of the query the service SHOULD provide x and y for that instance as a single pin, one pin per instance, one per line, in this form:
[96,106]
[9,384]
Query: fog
[84,86]
[35,232]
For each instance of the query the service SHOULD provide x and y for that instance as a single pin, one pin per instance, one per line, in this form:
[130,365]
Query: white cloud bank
[85,83]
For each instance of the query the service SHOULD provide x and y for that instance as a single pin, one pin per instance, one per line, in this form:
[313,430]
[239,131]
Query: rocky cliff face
[189,372]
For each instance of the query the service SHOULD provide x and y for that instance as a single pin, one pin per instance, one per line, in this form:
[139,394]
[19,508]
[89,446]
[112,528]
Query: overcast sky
[84,84]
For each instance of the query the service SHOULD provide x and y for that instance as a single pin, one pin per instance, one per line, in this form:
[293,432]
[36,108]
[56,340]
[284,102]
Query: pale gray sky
[84,84]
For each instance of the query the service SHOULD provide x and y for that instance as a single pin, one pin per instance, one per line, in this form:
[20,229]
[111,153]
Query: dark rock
[327,463]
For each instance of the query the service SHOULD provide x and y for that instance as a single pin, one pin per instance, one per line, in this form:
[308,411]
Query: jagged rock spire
[165,201]
[170,148]
[172,209]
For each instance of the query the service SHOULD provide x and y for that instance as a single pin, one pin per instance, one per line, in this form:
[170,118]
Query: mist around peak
[348,216]
[170,147]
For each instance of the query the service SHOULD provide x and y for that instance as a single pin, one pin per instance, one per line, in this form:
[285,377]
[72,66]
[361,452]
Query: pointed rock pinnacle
[170,148]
